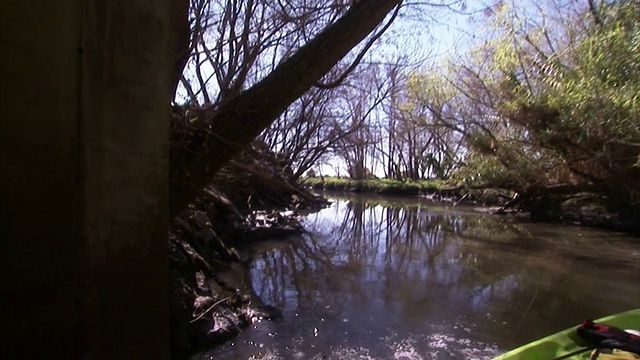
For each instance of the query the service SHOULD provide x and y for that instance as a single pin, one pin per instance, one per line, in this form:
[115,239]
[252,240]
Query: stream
[408,278]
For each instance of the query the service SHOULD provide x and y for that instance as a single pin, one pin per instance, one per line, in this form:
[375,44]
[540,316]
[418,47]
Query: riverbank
[569,207]
[439,190]
[250,200]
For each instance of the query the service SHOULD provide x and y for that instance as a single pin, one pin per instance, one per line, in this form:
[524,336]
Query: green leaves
[552,100]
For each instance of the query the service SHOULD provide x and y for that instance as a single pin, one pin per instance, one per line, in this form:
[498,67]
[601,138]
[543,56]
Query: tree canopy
[559,101]
[547,94]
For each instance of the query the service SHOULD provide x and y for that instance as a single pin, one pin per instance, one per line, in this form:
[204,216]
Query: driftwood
[274,181]
[517,199]
[523,200]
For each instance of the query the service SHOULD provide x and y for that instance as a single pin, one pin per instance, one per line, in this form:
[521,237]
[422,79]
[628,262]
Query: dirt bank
[253,198]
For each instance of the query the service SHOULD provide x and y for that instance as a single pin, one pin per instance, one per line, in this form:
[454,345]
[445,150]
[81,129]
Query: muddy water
[398,278]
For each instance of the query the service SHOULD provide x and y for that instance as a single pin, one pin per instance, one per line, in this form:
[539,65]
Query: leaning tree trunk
[199,150]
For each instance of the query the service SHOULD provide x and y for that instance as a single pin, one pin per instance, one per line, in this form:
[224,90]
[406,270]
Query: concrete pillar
[84,178]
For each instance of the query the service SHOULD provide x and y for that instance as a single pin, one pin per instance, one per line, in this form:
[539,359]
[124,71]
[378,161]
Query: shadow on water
[398,278]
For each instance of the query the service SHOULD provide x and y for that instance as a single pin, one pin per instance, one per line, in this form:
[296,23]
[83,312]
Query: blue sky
[422,34]
[432,36]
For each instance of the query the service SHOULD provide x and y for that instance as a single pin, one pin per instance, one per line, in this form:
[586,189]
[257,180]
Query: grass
[439,189]
[383,186]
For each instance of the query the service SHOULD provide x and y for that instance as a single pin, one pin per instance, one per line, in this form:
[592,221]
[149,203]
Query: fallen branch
[202,314]
[511,203]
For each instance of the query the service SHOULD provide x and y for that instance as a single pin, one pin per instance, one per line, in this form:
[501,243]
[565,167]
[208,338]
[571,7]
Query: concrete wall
[84,166]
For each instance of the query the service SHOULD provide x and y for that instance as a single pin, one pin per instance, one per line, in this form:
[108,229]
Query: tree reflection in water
[405,276]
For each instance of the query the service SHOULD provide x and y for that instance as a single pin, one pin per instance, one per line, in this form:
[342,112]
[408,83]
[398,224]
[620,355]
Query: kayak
[563,344]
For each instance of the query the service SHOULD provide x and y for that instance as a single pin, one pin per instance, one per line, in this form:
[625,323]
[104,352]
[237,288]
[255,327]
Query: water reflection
[399,278]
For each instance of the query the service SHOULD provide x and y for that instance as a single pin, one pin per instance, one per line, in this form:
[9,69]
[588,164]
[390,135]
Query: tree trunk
[196,158]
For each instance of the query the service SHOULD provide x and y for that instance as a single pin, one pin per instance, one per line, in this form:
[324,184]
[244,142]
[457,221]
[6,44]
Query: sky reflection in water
[398,278]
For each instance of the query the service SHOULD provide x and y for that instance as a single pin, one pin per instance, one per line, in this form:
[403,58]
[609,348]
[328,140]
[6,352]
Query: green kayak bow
[568,344]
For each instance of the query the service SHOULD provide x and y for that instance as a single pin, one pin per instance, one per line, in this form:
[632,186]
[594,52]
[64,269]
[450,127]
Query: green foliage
[431,134]
[601,96]
[564,109]
[387,186]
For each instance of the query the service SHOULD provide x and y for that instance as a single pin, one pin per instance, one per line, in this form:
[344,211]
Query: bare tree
[363,99]
[306,132]
[222,131]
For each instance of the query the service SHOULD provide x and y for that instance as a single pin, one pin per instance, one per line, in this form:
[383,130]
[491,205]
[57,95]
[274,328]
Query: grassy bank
[382,186]
[587,209]
[436,188]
